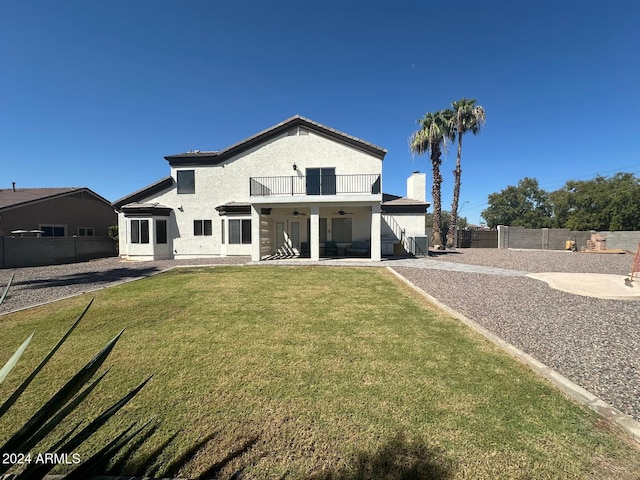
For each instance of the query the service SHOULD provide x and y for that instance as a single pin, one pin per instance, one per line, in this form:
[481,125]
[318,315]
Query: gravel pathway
[593,342]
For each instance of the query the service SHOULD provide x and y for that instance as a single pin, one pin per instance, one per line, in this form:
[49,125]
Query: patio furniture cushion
[330,248]
[358,247]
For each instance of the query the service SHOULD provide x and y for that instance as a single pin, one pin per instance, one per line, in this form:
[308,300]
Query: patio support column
[255,234]
[376,253]
[314,241]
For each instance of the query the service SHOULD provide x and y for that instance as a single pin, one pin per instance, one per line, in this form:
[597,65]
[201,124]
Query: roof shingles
[11,198]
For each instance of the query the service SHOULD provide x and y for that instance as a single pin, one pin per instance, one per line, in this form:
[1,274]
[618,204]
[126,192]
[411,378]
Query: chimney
[14,186]
[417,186]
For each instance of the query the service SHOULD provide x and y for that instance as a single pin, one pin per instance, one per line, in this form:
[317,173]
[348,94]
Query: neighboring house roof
[214,157]
[144,192]
[15,198]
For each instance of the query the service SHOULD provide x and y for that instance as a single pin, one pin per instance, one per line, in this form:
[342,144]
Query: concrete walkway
[424,263]
[594,285]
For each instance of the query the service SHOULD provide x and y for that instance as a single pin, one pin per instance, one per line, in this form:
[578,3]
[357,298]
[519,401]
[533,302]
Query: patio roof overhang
[237,208]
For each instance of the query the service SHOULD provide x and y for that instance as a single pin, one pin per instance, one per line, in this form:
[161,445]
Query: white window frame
[181,189]
[241,238]
[203,227]
[140,237]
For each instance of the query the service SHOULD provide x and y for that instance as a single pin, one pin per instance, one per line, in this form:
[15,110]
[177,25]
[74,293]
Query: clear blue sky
[96,93]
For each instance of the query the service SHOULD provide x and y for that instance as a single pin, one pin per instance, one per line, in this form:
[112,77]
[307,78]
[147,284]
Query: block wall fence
[30,252]
[555,238]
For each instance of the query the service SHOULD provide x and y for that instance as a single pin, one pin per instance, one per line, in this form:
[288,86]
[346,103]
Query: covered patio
[314,231]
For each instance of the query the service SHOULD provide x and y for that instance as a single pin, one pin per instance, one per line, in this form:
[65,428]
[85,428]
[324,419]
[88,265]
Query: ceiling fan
[342,213]
[296,213]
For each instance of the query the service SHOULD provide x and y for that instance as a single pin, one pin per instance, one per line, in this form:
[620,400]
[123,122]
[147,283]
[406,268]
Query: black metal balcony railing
[368,183]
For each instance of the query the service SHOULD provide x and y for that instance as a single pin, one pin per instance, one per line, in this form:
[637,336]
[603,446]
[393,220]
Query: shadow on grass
[96,277]
[149,466]
[398,459]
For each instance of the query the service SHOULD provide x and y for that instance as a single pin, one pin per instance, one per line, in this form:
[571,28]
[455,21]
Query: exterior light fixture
[295,167]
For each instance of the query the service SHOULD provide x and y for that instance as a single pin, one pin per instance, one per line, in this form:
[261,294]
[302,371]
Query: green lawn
[334,372]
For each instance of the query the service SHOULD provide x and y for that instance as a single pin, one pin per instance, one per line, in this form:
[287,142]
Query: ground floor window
[202,227]
[139,231]
[161,231]
[341,228]
[85,231]
[239,231]
[53,230]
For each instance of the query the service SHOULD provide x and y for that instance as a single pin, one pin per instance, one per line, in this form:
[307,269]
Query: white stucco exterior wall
[217,185]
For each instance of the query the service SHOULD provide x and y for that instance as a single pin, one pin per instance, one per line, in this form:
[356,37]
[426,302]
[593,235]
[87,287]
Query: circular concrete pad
[597,285]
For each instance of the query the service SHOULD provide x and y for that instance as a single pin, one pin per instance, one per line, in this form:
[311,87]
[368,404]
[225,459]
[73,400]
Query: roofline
[144,192]
[214,158]
[414,208]
[54,196]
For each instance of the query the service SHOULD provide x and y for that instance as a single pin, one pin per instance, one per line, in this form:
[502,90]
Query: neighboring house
[55,212]
[298,187]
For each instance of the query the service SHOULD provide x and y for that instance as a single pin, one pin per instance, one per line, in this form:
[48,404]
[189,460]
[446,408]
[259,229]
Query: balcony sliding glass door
[321,181]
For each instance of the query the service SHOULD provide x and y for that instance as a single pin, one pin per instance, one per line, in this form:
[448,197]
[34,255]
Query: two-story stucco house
[297,188]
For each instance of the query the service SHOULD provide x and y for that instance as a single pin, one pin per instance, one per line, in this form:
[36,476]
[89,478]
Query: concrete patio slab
[596,285]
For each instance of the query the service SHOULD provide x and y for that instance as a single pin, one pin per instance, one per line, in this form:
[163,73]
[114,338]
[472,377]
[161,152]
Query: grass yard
[319,373]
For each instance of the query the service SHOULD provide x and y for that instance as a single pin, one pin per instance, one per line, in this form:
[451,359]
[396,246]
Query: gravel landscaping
[36,285]
[536,261]
[593,342]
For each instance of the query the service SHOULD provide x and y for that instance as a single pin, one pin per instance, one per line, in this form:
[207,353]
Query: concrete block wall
[622,240]
[31,252]
[555,238]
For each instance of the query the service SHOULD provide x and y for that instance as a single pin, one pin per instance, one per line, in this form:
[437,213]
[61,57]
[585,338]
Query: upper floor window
[186,181]
[85,231]
[321,181]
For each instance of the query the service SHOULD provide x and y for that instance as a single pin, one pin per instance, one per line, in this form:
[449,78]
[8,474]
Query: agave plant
[6,288]
[21,445]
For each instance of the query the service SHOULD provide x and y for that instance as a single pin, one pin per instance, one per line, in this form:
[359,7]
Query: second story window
[186,181]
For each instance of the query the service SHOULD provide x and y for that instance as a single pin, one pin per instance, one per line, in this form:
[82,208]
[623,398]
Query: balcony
[322,184]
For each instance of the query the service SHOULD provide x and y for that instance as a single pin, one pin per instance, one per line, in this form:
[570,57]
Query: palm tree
[468,117]
[434,133]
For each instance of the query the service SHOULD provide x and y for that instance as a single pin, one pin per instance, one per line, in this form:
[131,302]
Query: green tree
[468,117]
[445,221]
[599,204]
[525,205]
[434,133]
